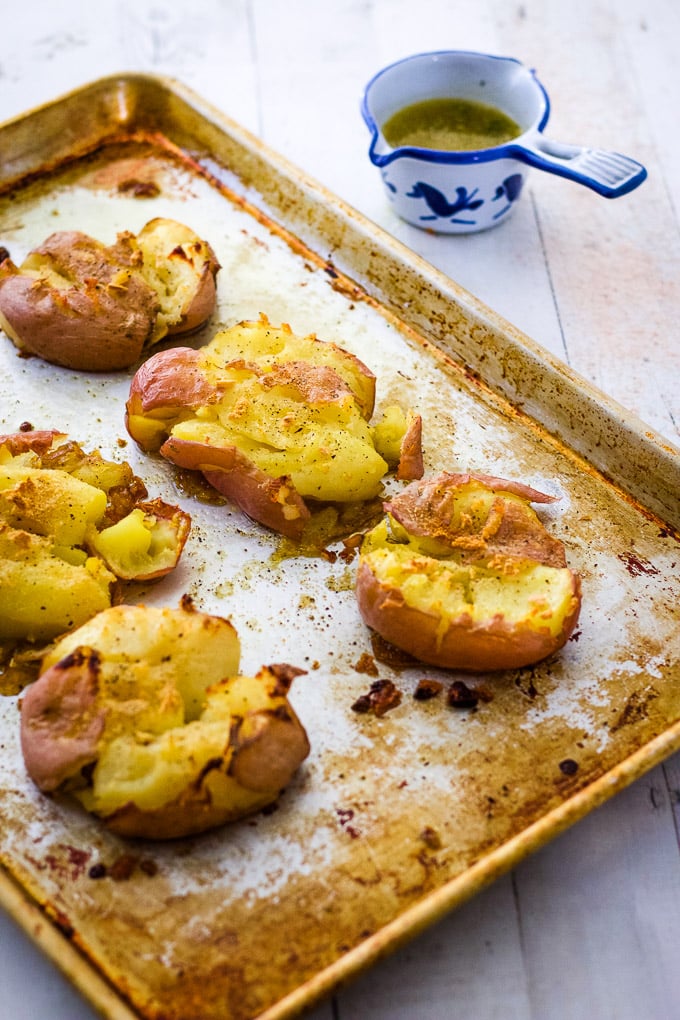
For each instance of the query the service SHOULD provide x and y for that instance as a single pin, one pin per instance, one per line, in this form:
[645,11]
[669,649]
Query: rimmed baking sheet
[395,819]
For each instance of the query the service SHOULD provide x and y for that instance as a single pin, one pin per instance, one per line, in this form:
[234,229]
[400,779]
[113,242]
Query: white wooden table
[590,926]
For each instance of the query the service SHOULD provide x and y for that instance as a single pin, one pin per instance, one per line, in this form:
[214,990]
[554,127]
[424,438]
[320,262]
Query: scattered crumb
[431,838]
[459,695]
[381,698]
[427,689]
[123,867]
[366,664]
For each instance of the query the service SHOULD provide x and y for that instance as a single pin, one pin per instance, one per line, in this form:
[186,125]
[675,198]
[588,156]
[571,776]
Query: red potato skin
[181,523]
[489,647]
[262,762]
[273,502]
[60,721]
[38,441]
[118,334]
[61,726]
[315,384]
[367,400]
[200,309]
[166,381]
[170,379]
[424,508]
[174,381]
[411,466]
[102,313]
[265,764]
[93,325]
[426,503]
[190,814]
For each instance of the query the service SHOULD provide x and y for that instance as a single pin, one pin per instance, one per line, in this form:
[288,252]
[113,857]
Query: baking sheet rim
[93,985]
[45,932]
[442,901]
[46,935]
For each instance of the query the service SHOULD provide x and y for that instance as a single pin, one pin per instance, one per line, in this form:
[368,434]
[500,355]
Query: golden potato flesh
[270,418]
[73,524]
[181,269]
[272,348]
[141,714]
[48,502]
[463,575]
[46,590]
[145,544]
[79,303]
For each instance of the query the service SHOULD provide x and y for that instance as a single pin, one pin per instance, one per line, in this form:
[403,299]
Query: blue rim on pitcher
[610,174]
[507,149]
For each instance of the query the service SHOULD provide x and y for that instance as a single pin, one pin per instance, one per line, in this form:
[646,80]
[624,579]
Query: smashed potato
[142,716]
[71,525]
[462,574]
[84,305]
[272,420]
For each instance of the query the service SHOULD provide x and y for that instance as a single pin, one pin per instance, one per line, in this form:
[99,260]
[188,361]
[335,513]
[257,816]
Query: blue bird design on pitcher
[439,204]
[510,189]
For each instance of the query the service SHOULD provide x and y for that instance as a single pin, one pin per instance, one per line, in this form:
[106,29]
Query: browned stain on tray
[404,802]
[207,954]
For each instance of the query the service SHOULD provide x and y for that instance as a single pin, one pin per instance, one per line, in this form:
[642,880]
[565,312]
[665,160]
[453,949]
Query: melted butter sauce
[449,125]
[330,524]
[19,667]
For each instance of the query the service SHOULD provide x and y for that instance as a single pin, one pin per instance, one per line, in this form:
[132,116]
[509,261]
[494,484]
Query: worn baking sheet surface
[391,820]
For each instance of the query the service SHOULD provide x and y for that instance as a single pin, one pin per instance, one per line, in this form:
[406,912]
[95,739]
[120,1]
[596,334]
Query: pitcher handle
[608,173]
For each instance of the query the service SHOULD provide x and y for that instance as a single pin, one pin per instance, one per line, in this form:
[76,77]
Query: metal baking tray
[395,819]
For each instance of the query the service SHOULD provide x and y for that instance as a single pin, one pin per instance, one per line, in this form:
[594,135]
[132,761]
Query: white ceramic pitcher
[465,191]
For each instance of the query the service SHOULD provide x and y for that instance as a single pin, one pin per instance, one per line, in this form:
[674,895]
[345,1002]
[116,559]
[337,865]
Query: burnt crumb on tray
[431,838]
[366,664]
[382,696]
[428,689]
[459,695]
